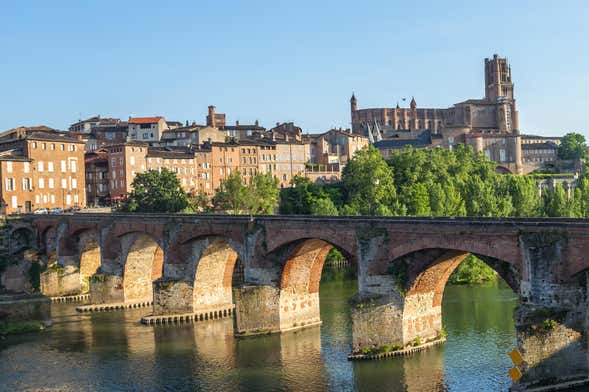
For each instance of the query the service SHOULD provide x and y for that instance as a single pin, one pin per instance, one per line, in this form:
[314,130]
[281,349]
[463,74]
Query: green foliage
[549,324]
[368,182]
[381,350]
[155,191]
[472,270]
[399,272]
[572,146]
[21,327]
[259,197]
[416,342]
[556,202]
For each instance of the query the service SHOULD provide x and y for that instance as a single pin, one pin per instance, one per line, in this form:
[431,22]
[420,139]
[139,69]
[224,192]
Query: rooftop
[145,120]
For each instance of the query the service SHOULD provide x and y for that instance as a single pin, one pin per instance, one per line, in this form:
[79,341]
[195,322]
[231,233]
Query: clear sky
[286,60]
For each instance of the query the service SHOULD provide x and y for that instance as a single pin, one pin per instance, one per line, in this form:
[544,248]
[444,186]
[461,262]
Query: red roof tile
[144,120]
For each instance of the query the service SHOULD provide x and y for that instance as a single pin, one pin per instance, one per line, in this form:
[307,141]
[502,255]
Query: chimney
[257,123]
[236,123]
[211,120]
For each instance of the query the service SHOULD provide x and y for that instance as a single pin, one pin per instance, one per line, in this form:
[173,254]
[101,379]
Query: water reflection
[113,351]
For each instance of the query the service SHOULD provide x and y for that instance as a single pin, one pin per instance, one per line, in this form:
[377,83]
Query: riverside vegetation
[413,182]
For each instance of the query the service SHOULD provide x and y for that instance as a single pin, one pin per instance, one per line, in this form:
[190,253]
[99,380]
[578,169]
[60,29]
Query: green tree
[232,195]
[572,146]
[261,196]
[367,181]
[524,195]
[556,203]
[155,191]
[324,207]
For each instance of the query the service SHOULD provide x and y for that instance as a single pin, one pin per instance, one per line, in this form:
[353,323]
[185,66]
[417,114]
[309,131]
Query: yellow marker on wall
[515,374]
[516,357]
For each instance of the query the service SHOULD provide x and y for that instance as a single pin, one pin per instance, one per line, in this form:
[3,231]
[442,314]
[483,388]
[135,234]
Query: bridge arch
[301,263]
[143,263]
[20,239]
[413,288]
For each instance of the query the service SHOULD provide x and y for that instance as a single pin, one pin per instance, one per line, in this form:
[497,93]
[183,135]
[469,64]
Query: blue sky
[286,61]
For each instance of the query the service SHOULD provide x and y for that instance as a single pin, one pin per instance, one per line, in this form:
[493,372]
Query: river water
[113,351]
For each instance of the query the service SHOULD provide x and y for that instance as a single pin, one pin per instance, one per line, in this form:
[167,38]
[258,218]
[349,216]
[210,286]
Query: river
[113,351]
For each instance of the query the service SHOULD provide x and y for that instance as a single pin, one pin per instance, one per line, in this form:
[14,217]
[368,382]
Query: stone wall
[106,289]
[376,322]
[172,297]
[257,309]
[59,281]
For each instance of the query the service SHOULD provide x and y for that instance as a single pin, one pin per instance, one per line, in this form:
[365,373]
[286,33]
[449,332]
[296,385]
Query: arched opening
[20,269]
[143,265]
[21,239]
[303,278]
[502,170]
[212,273]
[436,304]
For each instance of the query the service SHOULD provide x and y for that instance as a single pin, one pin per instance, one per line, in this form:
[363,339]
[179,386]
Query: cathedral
[489,125]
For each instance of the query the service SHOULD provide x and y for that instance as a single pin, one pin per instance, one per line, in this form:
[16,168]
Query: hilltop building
[490,125]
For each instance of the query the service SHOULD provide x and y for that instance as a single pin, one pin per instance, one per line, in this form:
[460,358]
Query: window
[62,147]
[76,199]
[63,183]
[10,184]
[26,184]
[51,183]
[132,160]
[501,155]
[63,166]
[41,183]
[43,146]
[68,199]
[50,166]
[14,201]
[34,144]
[52,146]
[40,166]
[73,165]
[52,199]
[37,199]
[9,167]
[74,183]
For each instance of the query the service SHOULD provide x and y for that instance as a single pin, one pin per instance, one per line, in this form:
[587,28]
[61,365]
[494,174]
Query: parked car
[56,211]
[73,209]
[41,211]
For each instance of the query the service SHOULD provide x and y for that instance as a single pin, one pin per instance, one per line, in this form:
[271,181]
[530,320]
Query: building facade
[146,129]
[42,169]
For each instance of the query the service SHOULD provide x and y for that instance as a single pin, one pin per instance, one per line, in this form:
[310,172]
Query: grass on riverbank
[19,328]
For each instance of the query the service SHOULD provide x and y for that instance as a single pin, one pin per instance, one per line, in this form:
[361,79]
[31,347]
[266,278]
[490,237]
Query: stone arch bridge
[184,265]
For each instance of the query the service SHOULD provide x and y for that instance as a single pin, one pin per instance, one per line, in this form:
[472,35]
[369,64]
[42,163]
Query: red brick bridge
[184,264]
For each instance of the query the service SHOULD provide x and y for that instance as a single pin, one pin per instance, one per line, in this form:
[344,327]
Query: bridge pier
[552,319]
[63,278]
[257,310]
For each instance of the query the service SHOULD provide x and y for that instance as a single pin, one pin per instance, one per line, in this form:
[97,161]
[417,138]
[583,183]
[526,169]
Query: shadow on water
[113,351]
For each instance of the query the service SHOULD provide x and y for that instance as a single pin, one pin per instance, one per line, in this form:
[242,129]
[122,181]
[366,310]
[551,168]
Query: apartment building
[96,165]
[124,162]
[224,160]
[41,169]
[146,129]
[204,164]
[181,161]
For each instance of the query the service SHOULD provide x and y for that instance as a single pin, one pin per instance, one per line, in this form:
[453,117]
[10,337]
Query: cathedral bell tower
[498,83]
